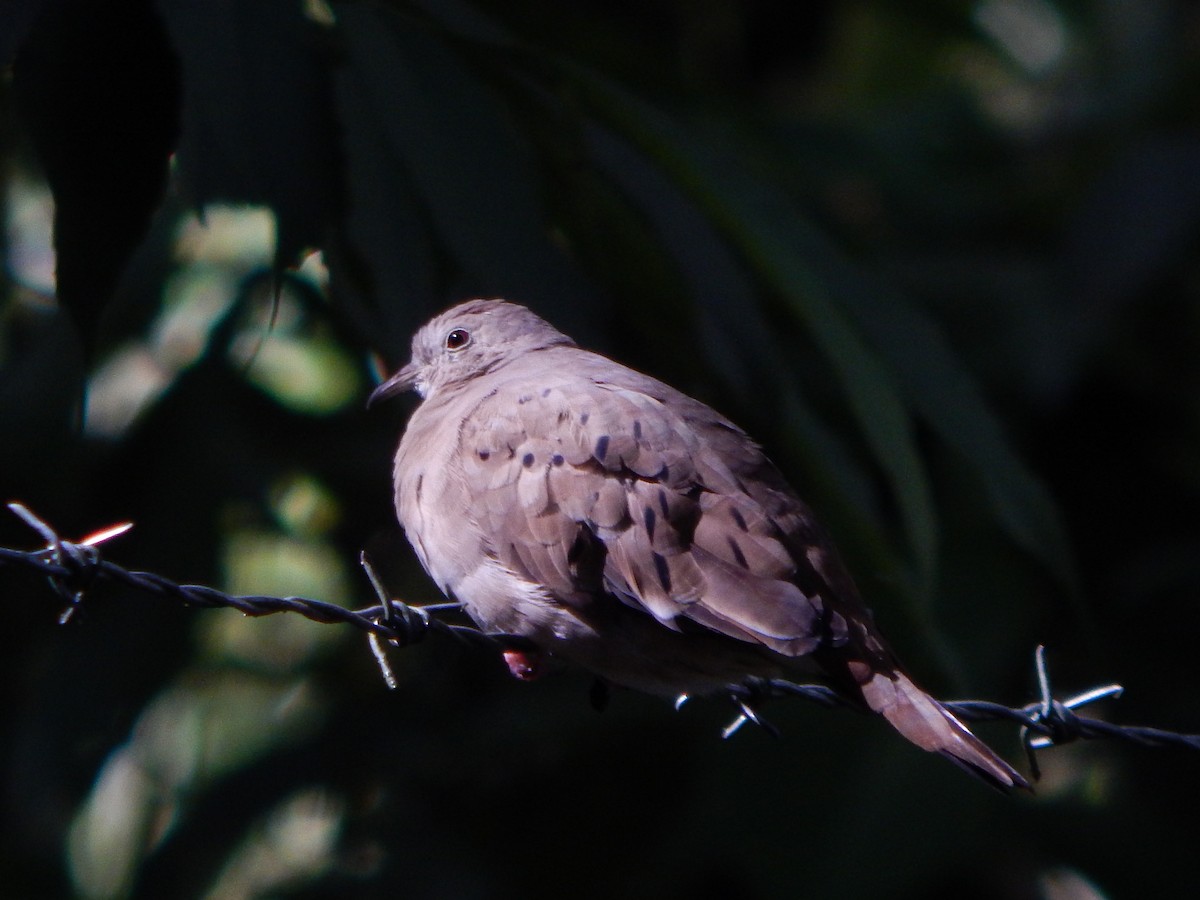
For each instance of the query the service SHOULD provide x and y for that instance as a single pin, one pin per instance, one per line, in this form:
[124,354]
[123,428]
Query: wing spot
[651,519]
[485,455]
[601,447]
[583,417]
[546,392]
[637,430]
[557,459]
[664,502]
[527,460]
[738,518]
[738,554]
[524,398]
[420,483]
[663,571]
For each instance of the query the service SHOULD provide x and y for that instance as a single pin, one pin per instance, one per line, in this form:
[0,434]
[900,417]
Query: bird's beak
[403,380]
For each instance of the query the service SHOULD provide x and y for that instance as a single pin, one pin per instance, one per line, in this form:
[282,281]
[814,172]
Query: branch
[72,568]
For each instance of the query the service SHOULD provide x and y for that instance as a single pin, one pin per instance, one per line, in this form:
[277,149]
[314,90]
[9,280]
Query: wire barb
[73,568]
[77,561]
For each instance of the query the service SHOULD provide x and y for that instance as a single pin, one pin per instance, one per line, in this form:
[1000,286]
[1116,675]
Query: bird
[582,511]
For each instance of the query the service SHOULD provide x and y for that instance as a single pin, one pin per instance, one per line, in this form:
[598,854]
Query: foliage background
[939,256]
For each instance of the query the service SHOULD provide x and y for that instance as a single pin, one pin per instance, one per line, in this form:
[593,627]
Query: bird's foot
[525,665]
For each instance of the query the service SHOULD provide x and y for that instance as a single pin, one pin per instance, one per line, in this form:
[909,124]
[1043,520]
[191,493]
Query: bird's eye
[457,339]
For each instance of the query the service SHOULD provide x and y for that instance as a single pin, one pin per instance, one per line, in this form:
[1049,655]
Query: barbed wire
[73,568]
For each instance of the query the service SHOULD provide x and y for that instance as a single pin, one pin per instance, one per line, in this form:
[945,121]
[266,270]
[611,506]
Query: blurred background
[939,257]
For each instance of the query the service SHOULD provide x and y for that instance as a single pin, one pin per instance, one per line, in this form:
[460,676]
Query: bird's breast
[432,504]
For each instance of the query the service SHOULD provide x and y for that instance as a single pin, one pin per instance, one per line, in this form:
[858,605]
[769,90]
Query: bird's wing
[589,487]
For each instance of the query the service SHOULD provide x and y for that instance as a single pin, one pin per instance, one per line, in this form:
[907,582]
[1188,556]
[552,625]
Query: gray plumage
[604,517]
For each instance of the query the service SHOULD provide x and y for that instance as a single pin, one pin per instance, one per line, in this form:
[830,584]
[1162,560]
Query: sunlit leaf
[289,847]
[258,124]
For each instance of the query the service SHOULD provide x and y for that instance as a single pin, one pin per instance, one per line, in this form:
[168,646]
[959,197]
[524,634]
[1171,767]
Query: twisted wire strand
[73,568]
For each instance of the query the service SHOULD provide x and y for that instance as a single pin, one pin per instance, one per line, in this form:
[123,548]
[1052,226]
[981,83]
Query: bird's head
[467,341]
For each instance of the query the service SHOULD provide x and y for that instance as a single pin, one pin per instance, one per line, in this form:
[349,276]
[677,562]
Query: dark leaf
[16,18]
[98,88]
[258,121]
[471,170]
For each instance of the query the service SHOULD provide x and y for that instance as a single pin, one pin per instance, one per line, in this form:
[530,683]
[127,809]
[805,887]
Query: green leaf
[891,358]
[947,398]
[258,124]
[468,165]
[769,235]
[98,87]
[735,336]
[385,249]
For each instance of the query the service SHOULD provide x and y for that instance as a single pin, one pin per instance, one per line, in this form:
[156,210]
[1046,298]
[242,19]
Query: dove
[578,509]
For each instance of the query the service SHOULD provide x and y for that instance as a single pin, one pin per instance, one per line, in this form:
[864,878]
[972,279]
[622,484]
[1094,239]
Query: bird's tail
[929,725]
